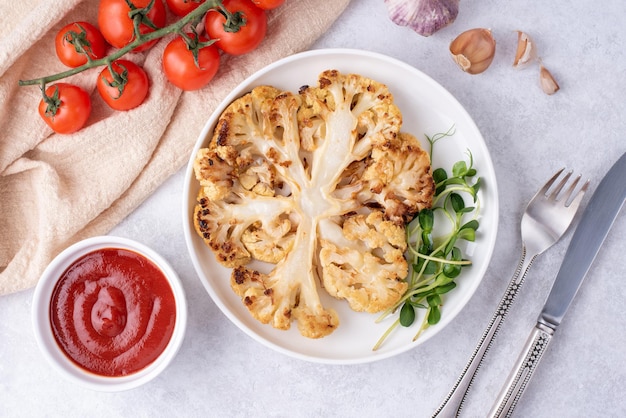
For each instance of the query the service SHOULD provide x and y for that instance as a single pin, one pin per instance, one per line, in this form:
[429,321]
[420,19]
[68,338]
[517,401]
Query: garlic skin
[548,83]
[423,16]
[526,51]
[473,50]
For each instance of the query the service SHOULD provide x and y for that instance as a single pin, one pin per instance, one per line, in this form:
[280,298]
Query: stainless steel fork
[545,220]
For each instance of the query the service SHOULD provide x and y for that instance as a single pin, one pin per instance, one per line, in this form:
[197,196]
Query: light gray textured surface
[220,371]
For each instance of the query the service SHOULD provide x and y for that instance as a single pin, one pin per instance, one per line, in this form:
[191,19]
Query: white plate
[427,108]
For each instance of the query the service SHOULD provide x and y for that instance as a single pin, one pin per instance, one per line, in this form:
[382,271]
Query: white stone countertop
[220,371]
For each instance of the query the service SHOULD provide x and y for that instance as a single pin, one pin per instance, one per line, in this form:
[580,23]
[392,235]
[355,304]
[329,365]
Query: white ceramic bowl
[42,318]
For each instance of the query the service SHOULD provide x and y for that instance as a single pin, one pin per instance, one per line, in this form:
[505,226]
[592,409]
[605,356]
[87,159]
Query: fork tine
[575,201]
[549,183]
[567,195]
[557,189]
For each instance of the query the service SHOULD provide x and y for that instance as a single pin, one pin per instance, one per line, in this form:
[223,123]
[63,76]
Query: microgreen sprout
[434,240]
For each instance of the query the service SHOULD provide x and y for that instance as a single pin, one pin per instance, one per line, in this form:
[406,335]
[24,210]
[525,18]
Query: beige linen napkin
[57,189]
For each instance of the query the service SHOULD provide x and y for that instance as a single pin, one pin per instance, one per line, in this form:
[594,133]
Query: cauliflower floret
[398,179]
[228,227]
[270,243]
[214,175]
[363,262]
[219,234]
[319,184]
[287,293]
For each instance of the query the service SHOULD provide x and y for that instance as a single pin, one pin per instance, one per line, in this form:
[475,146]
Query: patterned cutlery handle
[522,372]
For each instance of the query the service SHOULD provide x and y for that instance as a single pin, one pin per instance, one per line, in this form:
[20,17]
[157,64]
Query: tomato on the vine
[248,36]
[65,107]
[183,7]
[76,41]
[117,26]
[185,71]
[268,4]
[126,88]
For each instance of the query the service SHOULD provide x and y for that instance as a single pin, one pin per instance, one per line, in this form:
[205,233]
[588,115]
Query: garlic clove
[526,51]
[473,50]
[548,83]
[423,16]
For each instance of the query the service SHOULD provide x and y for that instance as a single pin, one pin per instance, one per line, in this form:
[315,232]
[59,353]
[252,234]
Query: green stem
[445,260]
[449,190]
[423,326]
[234,21]
[176,27]
[386,334]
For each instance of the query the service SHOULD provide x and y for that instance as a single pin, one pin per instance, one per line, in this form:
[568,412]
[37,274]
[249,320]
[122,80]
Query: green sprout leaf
[458,204]
[434,315]
[407,315]
[426,220]
[467,234]
[445,288]
[459,169]
[439,175]
[431,267]
[473,224]
[451,270]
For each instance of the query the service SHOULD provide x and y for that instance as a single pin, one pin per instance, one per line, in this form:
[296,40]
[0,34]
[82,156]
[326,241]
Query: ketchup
[113,312]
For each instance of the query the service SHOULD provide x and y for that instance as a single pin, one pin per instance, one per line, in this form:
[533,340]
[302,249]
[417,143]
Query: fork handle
[454,401]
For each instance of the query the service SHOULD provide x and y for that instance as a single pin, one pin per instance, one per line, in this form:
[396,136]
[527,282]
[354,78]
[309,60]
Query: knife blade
[594,226]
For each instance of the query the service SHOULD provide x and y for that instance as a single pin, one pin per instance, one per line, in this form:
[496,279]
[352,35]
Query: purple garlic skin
[423,16]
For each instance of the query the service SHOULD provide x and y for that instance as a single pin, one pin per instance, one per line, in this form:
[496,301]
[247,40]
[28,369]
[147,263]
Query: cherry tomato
[268,4]
[248,37]
[65,108]
[181,69]
[127,89]
[117,26]
[77,40]
[183,7]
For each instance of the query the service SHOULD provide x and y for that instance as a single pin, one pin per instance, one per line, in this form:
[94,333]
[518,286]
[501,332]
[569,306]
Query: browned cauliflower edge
[320,185]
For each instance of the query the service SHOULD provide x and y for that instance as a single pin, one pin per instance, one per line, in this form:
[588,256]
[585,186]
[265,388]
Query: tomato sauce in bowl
[113,312]
[109,313]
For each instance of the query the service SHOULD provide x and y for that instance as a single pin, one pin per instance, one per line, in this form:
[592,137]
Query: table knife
[597,219]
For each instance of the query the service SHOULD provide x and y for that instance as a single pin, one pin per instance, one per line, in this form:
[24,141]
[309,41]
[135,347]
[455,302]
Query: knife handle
[522,372]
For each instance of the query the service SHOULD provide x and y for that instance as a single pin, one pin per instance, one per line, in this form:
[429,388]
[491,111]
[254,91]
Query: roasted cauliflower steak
[319,184]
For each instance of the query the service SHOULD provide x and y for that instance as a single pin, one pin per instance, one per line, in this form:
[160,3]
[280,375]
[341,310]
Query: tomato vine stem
[140,39]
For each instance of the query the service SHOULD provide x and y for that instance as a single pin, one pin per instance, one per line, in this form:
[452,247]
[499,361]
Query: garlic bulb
[473,50]
[423,16]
